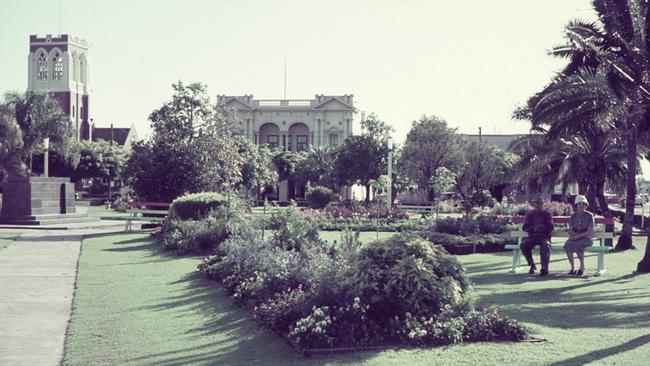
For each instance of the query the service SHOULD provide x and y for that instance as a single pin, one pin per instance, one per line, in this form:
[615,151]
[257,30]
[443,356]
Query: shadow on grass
[232,338]
[222,333]
[600,354]
[570,302]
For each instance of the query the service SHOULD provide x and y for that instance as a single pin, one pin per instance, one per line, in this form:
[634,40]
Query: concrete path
[37,279]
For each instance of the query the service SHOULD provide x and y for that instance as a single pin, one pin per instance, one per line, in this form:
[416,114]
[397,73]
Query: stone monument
[39,201]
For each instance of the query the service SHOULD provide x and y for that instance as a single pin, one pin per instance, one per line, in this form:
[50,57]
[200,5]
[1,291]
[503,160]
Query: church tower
[59,66]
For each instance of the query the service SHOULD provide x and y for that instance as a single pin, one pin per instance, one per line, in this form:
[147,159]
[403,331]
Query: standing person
[581,228]
[538,225]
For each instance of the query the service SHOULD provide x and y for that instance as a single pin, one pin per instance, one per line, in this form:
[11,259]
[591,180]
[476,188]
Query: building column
[256,139]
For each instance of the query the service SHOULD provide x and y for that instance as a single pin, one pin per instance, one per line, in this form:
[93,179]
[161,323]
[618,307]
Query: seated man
[538,225]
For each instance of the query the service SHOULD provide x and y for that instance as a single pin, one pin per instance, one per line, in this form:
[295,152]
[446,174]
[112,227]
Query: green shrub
[185,236]
[456,226]
[318,196]
[293,230]
[195,206]
[283,309]
[337,326]
[192,236]
[406,273]
[456,325]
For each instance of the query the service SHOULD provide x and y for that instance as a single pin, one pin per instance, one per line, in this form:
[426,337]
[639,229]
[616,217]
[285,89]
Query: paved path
[37,278]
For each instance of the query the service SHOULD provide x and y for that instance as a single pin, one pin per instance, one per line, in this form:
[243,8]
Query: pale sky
[470,62]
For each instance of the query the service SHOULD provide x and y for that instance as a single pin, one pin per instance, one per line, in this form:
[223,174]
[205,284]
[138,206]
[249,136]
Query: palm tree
[590,160]
[610,56]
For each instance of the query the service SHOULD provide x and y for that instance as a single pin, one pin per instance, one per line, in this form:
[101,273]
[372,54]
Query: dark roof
[119,134]
[500,141]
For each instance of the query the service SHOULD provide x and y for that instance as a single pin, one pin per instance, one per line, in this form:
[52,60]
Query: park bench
[604,229]
[142,211]
[419,210]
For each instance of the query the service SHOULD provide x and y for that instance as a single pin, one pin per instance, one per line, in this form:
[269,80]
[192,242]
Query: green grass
[135,306]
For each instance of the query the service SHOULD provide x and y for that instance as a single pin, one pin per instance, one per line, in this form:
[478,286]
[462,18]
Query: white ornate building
[59,66]
[292,124]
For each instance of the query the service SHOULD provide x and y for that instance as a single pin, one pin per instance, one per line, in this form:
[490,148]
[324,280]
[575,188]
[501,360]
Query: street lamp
[389,198]
[46,146]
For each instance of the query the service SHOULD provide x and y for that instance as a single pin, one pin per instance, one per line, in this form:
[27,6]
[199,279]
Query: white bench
[599,235]
[142,211]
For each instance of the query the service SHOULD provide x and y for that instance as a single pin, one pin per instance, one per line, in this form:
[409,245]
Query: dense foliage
[318,197]
[195,206]
[402,290]
[193,148]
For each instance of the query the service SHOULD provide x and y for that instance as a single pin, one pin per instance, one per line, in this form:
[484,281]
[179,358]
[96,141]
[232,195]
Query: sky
[469,62]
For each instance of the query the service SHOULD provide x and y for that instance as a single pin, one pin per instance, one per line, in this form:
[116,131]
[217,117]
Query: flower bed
[402,291]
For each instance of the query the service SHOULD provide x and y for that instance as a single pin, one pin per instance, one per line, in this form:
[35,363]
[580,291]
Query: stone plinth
[34,200]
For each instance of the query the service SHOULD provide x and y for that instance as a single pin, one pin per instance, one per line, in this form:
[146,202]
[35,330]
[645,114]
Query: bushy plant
[283,309]
[195,206]
[478,239]
[192,236]
[488,224]
[292,230]
[406,273]
[391,215]
[456,226]
[558,208]
[318,196]
[204,235]
[336,326]
[457,325]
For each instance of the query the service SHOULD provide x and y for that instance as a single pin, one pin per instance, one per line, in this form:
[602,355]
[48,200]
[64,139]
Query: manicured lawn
[135,306]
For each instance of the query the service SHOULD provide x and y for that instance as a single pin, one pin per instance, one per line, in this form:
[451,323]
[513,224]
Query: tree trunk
[367,194]
[644,265]
[625,240]
[591,196]
[600,196]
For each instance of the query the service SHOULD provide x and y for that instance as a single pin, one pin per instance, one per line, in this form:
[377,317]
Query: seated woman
[581,227]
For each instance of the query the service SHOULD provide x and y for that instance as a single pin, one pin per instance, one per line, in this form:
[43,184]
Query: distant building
[124,137]
[500,141]
[294,124]
[59,66]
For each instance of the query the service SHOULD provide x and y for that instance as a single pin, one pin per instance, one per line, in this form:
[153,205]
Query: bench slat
[565,220]
[565,234]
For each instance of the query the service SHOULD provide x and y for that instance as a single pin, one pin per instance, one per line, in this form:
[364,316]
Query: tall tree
[485,167]
[360,160]
[317,168]
[430,144]
[39,116]
[618,45]
[258,170]
[192,148]
[11,144]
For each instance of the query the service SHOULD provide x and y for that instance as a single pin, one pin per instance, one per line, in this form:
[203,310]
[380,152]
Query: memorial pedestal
[38,201]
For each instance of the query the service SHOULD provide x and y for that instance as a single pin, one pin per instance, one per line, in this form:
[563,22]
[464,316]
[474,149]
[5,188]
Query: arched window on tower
[82,69]
[75,67]
[41,73]
[58,66]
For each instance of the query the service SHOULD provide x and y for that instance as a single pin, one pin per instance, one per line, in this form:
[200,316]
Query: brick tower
[59,66]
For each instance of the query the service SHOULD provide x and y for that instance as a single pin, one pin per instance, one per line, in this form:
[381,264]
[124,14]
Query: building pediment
[236,103]
[333,103]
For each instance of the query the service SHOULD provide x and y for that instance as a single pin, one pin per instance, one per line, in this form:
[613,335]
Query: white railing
[284,103]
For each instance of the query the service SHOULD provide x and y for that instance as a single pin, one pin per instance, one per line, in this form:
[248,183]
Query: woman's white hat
[581,199]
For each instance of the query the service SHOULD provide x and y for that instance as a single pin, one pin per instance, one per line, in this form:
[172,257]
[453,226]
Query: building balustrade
[283,103]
